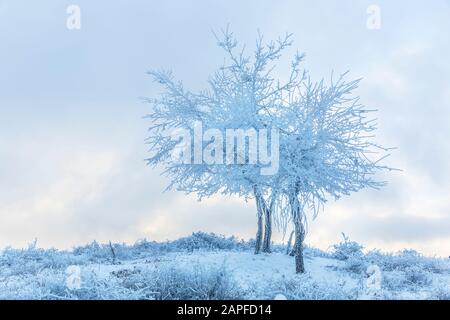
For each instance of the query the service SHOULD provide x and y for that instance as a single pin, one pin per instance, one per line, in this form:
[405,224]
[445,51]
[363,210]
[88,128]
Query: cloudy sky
[72,135]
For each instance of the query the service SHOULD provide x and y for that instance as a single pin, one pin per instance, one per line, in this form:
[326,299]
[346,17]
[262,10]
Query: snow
[207,266]
[255,271]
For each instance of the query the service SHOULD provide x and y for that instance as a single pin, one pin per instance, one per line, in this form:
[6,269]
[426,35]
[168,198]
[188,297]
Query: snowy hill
[207,266]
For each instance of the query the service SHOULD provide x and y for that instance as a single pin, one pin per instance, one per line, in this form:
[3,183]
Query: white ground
[255,273]
[189,269]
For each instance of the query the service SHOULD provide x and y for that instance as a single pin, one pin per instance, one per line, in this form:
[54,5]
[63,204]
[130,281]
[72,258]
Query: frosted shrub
[412,278]
[195,282]
[38,286]
[305,288]
[96,252]
[51,285]
[210,241]
[346,249]
[441,292]
[94,287]
[351,253]
[46,284]
[417,276]
[32,260]
[394,281]
[174,282]
[405,259]
[356,264]
[314,252]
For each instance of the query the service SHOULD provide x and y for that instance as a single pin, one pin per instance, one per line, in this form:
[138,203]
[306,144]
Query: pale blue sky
[71,127]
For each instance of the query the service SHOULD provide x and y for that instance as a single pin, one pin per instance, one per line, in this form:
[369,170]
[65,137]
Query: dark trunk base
[267,231]
[298,247]
[259,235]
[299,263]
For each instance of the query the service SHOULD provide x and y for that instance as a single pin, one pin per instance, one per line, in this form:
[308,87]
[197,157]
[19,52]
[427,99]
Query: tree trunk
[259,231]
[288,249]
[267,229]
[299,230]
[298,247]
[259,234]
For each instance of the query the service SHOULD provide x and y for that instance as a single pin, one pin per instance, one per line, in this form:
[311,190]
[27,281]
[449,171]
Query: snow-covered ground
[206,266]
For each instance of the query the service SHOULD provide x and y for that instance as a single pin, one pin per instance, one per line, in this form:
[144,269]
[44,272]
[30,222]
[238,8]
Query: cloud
[71,127]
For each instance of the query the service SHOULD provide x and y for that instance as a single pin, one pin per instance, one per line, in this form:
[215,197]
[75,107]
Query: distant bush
[347,249]
[418,276]
[394,281]
[350,252]
[405,259]
[210,241]
[115,252]
[95,252]
[314,252]
[412,279]
[31,260]
[356,264]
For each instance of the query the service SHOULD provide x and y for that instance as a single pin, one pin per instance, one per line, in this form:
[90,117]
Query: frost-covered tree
[327,149]
[242,94]
[326,146]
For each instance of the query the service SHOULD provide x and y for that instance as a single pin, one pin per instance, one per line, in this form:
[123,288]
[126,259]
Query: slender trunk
[288,249]
[267,230]
[112,252]
[259,231]
[298,247]
[269,210]
[259,235]
[299,230]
